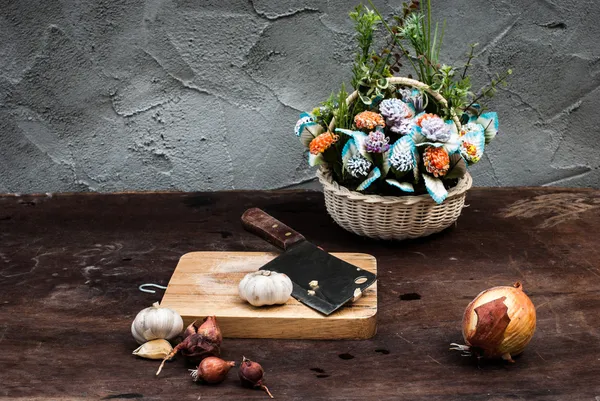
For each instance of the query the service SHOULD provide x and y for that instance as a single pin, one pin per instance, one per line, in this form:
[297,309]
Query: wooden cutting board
[206,283]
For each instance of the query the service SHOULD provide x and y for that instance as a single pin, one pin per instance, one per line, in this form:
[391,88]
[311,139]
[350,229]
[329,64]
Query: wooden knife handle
[268,227]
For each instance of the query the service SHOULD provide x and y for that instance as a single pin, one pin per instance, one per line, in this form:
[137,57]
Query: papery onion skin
[519,331]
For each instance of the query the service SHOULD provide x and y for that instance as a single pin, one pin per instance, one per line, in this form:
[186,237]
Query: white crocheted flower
[358,166]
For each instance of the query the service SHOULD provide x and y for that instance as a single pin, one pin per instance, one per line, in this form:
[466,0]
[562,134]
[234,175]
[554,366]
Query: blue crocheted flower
[402,155]
[305,120]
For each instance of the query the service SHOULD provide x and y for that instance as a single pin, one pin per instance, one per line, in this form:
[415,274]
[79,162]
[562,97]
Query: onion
[499,322]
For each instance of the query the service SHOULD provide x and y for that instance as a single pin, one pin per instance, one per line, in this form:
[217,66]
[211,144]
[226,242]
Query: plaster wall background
[100,95]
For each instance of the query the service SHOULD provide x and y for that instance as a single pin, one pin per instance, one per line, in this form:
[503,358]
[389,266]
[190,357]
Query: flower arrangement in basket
[393,154]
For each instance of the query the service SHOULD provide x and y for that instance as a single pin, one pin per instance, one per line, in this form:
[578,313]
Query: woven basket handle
[414,84]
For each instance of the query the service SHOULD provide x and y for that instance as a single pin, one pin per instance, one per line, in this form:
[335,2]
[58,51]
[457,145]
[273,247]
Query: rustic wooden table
[70,267]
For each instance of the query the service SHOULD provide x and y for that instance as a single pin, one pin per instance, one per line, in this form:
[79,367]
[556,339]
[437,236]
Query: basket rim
[325,177]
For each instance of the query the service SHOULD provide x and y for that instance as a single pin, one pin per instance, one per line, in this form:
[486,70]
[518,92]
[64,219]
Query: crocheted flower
[470,127]
[470,152]
[395,110]
[368,120]
[322,142]
[402,154]
[414,97]
[404,127]
[358,166]
[304,120]
[422,117]
[435,129]
[472,143]
[377,142]
[436,160]
[397,115]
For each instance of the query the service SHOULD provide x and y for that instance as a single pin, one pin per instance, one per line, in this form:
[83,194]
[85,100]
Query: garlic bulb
[155,349]
[499,322]
[156,322]
[265,287]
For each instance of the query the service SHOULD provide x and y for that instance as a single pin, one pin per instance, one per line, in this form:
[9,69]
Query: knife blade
[320,280]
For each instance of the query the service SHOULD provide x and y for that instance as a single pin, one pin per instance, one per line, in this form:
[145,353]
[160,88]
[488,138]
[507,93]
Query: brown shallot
[212,370]
[198,343]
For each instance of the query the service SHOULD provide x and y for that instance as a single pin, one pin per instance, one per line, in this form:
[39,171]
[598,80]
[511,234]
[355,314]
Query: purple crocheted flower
[435,129]
[377,142]
[403,127]
[394,110]
[398,115]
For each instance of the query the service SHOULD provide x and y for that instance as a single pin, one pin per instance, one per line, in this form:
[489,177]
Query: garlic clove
[155,349]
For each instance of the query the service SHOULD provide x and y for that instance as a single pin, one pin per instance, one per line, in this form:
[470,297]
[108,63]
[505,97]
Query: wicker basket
[393,217]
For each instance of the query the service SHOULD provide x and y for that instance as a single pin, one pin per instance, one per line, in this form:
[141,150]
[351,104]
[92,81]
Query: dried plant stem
[171,355]
[267,390]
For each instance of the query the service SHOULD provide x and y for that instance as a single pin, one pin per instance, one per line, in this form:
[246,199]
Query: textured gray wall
[203,95]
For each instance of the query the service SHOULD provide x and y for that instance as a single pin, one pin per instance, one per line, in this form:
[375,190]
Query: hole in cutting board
[360,280]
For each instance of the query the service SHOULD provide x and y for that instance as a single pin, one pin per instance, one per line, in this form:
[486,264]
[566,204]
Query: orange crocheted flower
[322,142]
[422,117]
[369,120]
[470,149]
[470,152]
[436,160]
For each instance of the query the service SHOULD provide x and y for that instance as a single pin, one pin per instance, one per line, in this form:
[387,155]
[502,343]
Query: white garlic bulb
[265,287]
[156,322]
[155,349]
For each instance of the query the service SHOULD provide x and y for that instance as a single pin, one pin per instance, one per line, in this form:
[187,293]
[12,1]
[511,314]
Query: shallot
[198,343]
[212,370]
[251,375]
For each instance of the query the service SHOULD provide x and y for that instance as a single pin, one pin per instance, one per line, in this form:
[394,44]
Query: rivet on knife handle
[268,227]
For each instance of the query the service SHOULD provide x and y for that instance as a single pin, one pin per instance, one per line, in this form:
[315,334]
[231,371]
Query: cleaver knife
[320,280]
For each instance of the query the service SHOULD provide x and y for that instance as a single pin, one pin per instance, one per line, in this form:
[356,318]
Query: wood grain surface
[206,283]
[70,267]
